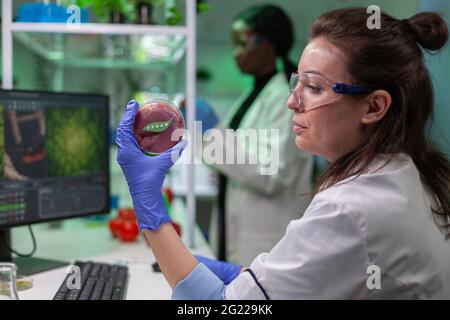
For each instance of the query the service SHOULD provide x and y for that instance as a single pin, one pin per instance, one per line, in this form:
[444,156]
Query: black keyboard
[99,281]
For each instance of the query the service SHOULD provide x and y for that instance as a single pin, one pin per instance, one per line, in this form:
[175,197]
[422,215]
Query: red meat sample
[154,124]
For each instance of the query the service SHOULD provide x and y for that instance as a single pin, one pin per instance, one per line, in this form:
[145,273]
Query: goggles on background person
[312,90]
[248,41]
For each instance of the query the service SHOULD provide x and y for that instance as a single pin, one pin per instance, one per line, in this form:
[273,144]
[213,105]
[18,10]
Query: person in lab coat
[253,209]
[378,225]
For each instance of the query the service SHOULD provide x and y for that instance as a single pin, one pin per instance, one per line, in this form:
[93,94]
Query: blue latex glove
[225,271]
[145,174]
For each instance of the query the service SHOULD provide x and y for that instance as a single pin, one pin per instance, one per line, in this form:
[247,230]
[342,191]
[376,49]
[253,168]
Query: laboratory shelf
[106,51]
[97,28]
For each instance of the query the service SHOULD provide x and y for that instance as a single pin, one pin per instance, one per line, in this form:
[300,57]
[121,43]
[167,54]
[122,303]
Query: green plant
[175,16]
[150,2]
[202,6]
[101,8]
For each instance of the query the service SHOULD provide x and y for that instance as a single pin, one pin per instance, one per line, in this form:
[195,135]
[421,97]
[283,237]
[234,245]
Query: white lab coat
[381,219]
[259,207]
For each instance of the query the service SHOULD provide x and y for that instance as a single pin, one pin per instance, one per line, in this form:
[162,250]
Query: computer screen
[54,156]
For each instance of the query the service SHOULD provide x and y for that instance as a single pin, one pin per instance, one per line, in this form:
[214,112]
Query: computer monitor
[54,160]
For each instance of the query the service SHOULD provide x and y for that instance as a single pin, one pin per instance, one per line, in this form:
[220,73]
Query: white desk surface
[81,239]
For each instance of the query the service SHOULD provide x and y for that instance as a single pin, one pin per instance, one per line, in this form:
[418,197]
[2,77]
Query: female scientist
[378,224]
[254,210]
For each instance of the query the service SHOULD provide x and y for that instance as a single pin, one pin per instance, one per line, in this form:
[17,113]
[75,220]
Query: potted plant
[144,10]
[115,10]
[138,10]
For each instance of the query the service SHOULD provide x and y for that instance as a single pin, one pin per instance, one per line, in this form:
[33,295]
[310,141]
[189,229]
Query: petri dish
[158,126]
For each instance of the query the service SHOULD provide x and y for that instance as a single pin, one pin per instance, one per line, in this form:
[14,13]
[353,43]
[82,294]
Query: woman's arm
[145,176]
[189,279]
[174,259]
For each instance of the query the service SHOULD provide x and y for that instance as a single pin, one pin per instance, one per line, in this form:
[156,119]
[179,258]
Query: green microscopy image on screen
[75,141]
[2,143]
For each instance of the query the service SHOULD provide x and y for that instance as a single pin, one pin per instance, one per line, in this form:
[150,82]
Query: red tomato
[114,226]
[128,231]
[169,194]
[127,214]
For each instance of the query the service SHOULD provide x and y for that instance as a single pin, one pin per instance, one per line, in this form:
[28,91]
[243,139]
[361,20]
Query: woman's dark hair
[273,24]
[391,58]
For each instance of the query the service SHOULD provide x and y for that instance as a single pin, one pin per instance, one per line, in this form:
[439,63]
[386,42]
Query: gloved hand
[144,174]
[225,271]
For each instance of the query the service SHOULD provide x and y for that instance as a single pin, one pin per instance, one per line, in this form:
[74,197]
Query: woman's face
[252,53]
[335,129]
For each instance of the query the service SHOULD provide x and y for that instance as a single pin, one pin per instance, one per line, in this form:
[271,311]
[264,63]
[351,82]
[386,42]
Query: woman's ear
[378,103]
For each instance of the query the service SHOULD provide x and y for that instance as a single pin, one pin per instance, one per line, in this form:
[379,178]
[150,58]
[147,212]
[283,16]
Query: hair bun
[430,30]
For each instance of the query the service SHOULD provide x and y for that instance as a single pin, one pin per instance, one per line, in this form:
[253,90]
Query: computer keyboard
[99,281]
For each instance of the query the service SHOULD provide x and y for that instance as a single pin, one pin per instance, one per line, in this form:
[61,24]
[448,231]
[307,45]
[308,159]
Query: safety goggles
[312,90]
[248,41]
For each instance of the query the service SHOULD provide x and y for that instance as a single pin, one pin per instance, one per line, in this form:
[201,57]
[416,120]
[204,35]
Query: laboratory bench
[90,240]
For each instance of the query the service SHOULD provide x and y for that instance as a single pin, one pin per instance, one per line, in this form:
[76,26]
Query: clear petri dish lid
[155,123]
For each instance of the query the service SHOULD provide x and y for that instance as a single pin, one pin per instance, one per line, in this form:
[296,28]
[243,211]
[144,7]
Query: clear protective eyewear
[245,42]
[312,90]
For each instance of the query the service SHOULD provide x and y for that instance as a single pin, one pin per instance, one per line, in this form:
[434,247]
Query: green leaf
[203,7]
[175,17]
[157,126]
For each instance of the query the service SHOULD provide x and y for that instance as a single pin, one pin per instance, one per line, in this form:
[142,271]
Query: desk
[82,239]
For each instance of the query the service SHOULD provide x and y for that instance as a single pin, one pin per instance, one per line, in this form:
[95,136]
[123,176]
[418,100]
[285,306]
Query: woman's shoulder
[391,208]
[388,199]
[380,174]
[387,185]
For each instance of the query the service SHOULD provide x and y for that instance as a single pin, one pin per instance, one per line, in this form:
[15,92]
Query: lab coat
[378,224]
[259,207]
